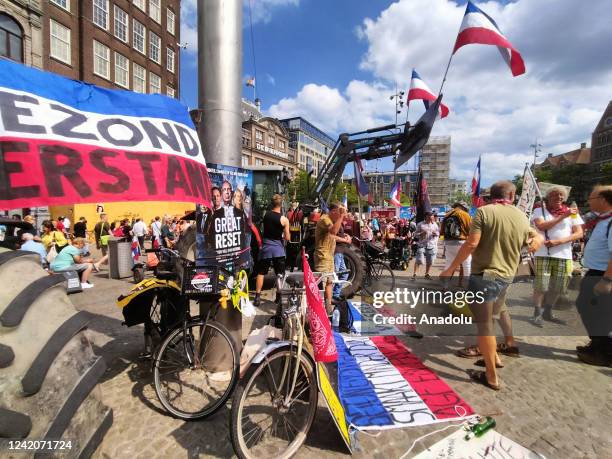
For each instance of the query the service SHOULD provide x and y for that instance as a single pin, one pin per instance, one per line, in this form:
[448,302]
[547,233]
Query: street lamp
[537,148]
[399,102]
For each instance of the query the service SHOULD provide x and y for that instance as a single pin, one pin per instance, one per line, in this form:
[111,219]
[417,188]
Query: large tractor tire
[48,370]
[355,263]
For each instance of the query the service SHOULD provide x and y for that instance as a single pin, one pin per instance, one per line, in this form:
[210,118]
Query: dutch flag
[394,196]
[479,28]
[420,91]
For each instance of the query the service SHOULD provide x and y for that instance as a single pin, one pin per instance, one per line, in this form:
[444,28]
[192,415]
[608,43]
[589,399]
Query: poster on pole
[529,193]
[64,142]
[223,235]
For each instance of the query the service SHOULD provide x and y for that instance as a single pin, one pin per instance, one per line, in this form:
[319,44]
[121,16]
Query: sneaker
[257,301]
[414,277]
[549,318]
[537,321]
[427,276]
[85,285]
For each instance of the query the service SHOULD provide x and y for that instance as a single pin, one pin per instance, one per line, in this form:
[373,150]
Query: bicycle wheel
[381,278]
[197,390]
[262,425]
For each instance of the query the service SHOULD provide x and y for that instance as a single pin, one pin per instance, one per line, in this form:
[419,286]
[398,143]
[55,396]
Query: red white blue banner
[395,195]
[382,385]
[64,141]
[420,91]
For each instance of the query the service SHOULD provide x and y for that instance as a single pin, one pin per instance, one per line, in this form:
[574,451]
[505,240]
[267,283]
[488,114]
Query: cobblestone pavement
[549,402]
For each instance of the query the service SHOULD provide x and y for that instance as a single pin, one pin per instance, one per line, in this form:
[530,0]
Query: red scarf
[560,210]
[505,202]
[592,222]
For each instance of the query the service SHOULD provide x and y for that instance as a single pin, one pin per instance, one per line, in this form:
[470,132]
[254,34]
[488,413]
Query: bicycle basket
[373,250]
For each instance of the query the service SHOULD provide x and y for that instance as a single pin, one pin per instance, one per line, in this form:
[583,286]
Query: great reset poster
[224,227]
[64,141]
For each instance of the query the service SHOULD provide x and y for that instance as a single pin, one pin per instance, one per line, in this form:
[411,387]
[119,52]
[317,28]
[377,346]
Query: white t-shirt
[561,230]
[139,229]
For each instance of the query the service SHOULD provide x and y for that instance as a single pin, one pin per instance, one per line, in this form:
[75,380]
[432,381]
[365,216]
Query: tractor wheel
[356,264]
[48,370]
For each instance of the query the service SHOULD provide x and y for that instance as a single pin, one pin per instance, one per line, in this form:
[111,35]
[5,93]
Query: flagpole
[446,73]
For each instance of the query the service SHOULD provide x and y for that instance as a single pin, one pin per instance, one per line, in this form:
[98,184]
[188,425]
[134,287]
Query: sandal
[468,352]
[510,351]
[481,377]
[481,363]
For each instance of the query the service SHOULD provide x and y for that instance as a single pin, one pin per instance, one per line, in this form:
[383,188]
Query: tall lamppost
[537,148]
[399,102]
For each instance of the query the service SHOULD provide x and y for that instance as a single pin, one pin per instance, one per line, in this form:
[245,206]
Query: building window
[139,4]
[170,20]
[258,135]
[281,144]
[245,161]
[100,13]
[63,3]
[139,82]
[270,140]
[121,24]
[122,70]
[154,47]
[258,162]
[155,10]
[60,42]
[170,60]
[139,34]
[101,60]
[154,83]
[170,91]
[11,39]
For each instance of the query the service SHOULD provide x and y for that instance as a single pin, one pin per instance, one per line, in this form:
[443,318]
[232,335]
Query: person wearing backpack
[456,227]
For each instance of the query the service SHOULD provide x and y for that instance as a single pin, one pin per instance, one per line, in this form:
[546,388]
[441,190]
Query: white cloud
[559,100]
[261,12]
[270,79]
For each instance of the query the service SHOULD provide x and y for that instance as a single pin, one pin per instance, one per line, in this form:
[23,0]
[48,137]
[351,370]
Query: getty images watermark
[413,297]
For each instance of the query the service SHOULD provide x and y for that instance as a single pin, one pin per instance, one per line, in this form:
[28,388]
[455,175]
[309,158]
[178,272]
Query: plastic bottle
[574,207]
[336,320]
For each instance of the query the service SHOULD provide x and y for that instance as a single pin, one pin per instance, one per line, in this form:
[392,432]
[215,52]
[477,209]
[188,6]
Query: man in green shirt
[498,233]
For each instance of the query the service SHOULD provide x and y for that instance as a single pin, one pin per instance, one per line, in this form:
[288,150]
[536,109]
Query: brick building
[120,44]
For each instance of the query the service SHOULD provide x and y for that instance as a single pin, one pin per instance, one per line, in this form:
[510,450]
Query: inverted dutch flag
[382,385]
[135,251]
[420,91]
[479,28]
[476,199]
[394,196]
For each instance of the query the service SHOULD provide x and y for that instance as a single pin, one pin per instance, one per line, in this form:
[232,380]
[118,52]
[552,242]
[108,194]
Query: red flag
[320,329]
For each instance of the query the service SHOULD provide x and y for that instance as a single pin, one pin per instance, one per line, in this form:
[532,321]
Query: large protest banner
[529,193]
[64,141]
[224,233]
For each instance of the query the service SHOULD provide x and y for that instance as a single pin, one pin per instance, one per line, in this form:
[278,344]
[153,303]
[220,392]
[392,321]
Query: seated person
[31,245]
[70,259]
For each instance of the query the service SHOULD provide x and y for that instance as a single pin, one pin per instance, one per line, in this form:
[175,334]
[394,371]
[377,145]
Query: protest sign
[64,141]
[529,193]
[224,234]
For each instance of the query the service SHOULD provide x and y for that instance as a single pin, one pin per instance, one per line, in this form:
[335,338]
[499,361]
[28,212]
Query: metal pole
[219,98]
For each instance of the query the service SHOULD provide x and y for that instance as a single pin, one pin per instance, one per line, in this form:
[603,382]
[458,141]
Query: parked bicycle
[379,275]
[275,403]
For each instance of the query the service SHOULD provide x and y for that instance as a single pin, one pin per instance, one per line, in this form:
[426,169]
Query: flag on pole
[345,200]
[420,91]
[250,82]
[394,196]
[135,251]
[360,183]
[423,204]
[321,335]
[476,199]
[479,28]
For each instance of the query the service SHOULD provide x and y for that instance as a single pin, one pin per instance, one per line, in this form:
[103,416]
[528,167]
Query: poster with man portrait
[223,229]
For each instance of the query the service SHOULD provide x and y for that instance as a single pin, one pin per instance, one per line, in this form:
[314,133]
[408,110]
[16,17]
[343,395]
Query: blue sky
[336,63]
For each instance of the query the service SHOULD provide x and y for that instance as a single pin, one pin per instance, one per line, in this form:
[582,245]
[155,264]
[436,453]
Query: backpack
[452,227]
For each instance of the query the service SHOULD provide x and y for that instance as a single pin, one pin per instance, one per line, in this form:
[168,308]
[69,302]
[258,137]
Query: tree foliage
[299,189]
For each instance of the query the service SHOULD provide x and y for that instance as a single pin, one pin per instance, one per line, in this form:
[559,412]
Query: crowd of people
[64,247]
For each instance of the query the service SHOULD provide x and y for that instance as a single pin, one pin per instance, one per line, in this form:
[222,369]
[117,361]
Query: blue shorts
[425,255]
